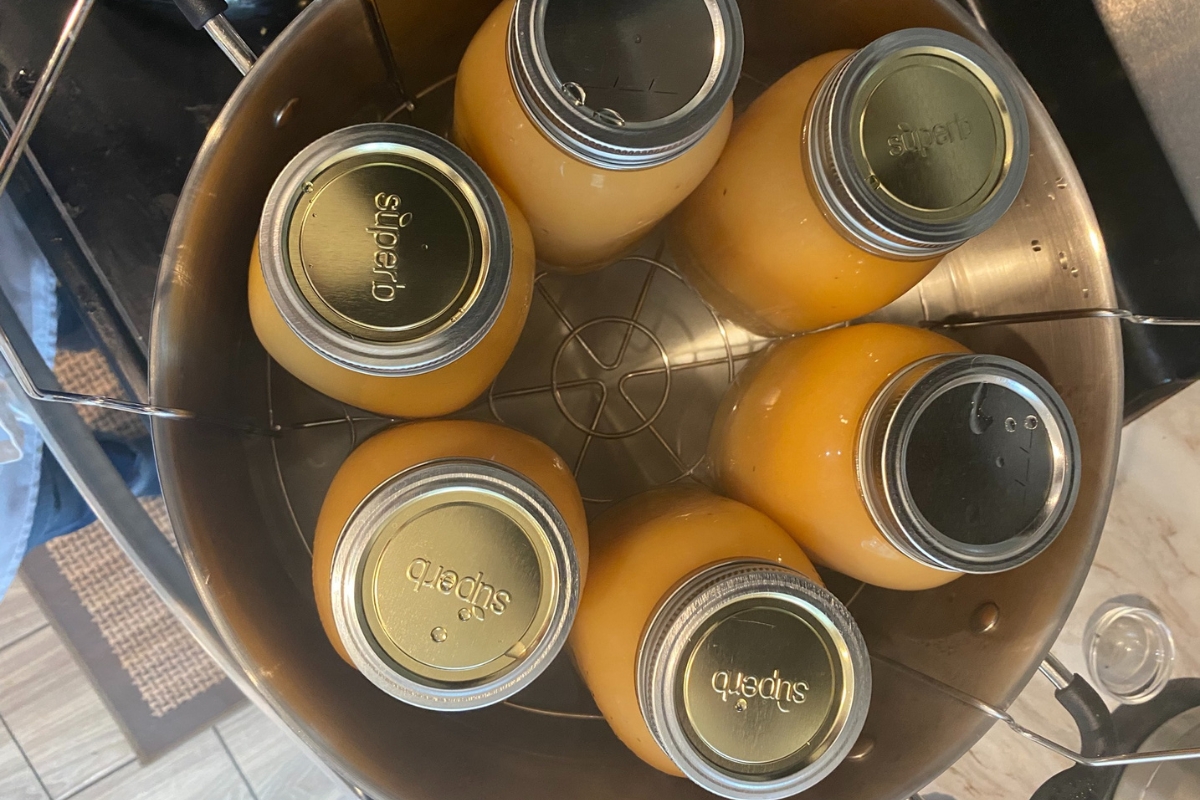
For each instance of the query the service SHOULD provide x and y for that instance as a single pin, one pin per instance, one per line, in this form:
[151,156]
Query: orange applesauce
[405,447]
[754,239]
[640,550]
[786,441]
[847,181]
[585,204]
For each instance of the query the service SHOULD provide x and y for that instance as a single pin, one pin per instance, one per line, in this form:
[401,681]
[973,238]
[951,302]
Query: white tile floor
[58,740]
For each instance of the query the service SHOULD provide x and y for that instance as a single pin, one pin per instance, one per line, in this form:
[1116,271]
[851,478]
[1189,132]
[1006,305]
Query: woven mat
[156,680]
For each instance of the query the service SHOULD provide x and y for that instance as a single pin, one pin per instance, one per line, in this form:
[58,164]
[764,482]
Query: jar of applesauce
[598,117]
[897,457]
[389,273]
[712,648]
[846,182]
[448,560]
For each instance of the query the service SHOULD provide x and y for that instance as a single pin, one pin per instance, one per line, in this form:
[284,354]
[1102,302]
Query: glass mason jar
[895,456]
[598,118]
[713,650]
[448,561]
[389,273]
[847,181]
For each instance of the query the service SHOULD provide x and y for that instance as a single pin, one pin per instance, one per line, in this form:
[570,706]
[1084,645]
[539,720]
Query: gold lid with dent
[753,679]
[916,143]
[385,246]
[935,136]
[762,687]
[458,586]
[454,584]
[386,249]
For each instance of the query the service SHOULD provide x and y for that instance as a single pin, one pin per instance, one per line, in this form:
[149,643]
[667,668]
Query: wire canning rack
[620,371]
[637,364]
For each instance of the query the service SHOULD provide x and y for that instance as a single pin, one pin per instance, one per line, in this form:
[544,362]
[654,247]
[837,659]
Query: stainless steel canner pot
[243,497]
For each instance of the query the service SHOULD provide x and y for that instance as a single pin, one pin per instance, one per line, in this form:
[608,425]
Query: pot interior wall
[243,504]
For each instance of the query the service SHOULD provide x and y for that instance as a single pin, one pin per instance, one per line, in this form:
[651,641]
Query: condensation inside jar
[979,464]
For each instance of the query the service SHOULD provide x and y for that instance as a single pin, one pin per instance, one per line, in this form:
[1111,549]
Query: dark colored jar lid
[625,84]
[969,463]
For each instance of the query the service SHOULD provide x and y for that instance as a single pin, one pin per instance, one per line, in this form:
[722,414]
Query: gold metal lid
[969,463]
[753,679]
[935,133]
[386,249]
[918,142]
[454,584]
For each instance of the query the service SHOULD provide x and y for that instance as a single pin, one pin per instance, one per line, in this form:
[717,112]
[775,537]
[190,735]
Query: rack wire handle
[1057,674]
[209,15]
[967,321]
[34,392]
[29,387]
[206,14]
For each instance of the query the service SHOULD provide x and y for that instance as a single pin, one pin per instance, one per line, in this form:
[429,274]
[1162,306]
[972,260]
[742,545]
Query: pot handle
[1097,736]
[1095,725]
[1085,710]
[210,15]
